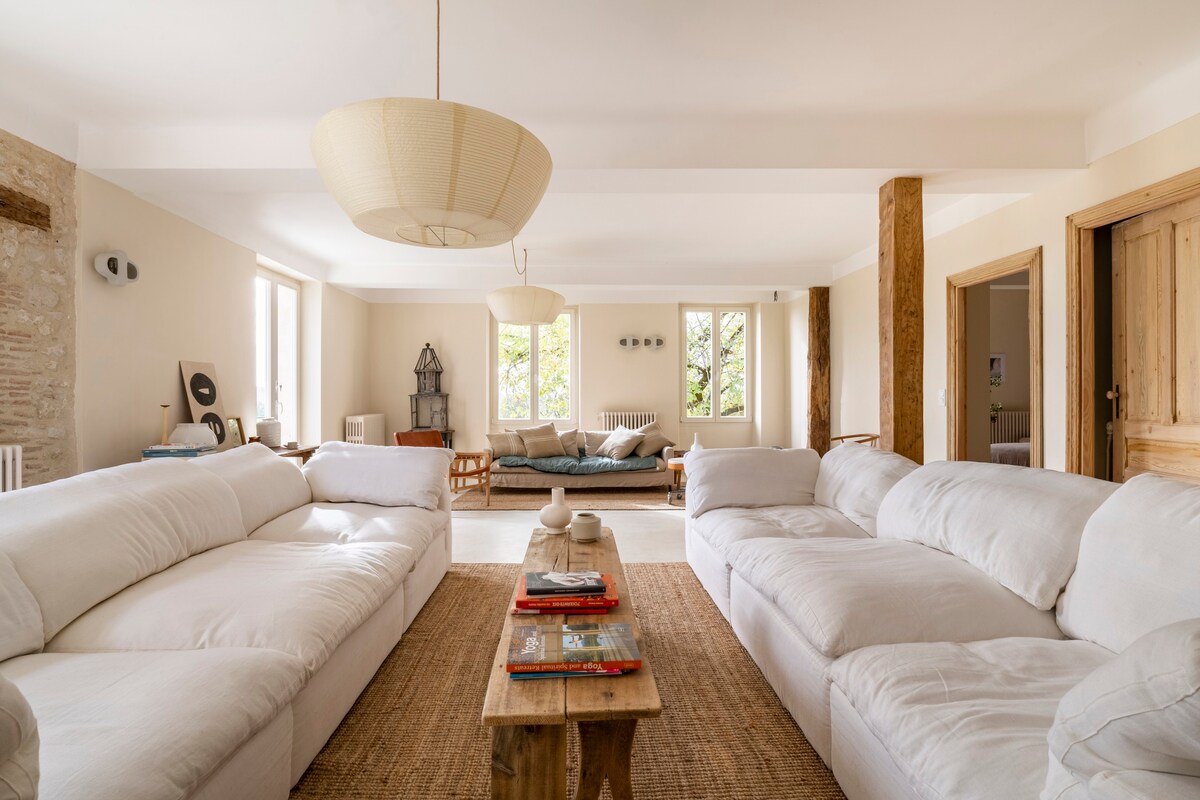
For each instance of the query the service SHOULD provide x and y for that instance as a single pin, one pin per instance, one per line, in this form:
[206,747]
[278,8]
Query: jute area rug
[415,732]
[651,499]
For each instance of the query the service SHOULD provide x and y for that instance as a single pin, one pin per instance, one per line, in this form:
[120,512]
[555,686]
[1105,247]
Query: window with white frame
[277,351]
[716,368]
[535,371]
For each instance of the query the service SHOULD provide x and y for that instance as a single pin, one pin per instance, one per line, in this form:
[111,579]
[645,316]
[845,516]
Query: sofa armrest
[668,453]
[749,477]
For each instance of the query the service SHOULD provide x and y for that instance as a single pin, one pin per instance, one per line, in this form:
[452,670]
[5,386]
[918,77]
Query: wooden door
[1156,343]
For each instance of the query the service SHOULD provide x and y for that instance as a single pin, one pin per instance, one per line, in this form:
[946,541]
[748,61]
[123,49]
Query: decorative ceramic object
[696,443]
[193,433]
[166,437]
[556,516]
[268,431]
[585,527]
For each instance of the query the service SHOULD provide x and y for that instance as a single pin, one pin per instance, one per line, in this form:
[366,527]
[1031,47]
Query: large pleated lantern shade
[525,305]
[431,172]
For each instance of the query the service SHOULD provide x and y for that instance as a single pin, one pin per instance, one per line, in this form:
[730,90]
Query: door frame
[1081,303]
[956,367]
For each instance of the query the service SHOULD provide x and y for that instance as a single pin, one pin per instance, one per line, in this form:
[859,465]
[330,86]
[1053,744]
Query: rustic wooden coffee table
[529,718]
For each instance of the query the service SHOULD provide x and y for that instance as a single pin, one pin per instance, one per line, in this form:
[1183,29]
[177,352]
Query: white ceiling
[702,149]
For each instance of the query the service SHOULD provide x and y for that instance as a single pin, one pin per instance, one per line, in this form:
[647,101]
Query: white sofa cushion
[1142,785]
[18,745]
[266,485]
[20,617]
[1137,564]
[843,594]
[1139,711]
[299,598]
[148,726]
[76,541]
[854,479]
[385,476]
[1019,525]
[749,477]
[725,527]
[966,721]
[345,523]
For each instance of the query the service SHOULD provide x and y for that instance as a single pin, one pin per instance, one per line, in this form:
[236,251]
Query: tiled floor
[502,536]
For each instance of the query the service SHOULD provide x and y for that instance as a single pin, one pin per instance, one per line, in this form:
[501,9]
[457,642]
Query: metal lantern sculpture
[430,405]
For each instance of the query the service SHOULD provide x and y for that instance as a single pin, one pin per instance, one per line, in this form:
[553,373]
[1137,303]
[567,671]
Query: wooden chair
[466,466]
[869,439]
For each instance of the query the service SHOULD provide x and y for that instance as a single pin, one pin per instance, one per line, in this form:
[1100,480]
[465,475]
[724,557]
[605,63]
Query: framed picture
[996,368]
[234,432]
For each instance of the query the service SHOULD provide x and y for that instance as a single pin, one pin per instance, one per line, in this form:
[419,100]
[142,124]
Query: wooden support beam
[24,209]
[818,369]
[901,318]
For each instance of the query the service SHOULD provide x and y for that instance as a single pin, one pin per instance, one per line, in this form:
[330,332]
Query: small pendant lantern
[429,372]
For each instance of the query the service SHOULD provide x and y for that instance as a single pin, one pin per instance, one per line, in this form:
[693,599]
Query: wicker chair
[467,469]
[869,439]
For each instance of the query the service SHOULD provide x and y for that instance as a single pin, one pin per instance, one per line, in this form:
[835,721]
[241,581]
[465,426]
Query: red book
[535,611]
[562,601]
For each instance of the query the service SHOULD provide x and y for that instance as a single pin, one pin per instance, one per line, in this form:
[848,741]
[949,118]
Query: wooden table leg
[529,761]
[605,749]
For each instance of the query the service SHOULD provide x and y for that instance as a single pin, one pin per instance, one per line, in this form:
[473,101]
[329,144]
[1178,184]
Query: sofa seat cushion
[855,478]
[346,523]
[1139,784]
[725,527]
[265,484]
[298,598]
[147,726]
[843,594]
[966,721]
[1019,525]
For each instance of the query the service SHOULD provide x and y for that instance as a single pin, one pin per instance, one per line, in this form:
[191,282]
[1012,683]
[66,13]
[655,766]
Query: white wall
[979,398]
[1009,334]
[194,301]
[1037,220]
[796,368]
[771,417]
[345,361]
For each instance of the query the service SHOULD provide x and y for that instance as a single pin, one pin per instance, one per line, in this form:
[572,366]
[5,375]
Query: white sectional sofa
[923,625]
[199,629]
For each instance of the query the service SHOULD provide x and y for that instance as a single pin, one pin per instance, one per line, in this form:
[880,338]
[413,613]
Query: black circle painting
[203,389]
[217,424]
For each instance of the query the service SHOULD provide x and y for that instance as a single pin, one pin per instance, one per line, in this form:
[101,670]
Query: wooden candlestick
[164,407]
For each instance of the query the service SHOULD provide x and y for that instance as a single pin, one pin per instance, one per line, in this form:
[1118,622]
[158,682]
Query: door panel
[1156,342]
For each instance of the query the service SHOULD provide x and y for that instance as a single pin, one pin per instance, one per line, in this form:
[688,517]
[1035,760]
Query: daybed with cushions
[927,653]
[541,457]
[198,629]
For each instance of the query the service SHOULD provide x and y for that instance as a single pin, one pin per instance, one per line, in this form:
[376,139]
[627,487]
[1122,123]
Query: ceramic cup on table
[585,527]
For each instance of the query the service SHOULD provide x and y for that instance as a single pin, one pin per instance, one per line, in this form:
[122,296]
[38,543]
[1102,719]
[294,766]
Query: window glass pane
[262,347]
[513,371]
[698,333]
[733,363]
[554,369]
[287,369]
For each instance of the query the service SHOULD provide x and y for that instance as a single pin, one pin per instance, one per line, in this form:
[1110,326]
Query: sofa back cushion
[266,485]
[384,476]
[749,477]
[20,617]
[79,541]
[1021,526]
[854,479]
[1139,711]
[1137,564]
[18,745]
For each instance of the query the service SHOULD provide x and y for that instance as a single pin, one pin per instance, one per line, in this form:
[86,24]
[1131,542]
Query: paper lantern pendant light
[431,172]
[525,305]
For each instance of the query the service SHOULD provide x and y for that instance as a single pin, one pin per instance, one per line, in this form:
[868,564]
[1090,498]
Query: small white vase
[196,433]
[268,431]
[696,443]
[556,516]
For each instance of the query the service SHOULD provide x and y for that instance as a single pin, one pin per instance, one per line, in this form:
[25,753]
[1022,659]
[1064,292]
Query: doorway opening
[994,396]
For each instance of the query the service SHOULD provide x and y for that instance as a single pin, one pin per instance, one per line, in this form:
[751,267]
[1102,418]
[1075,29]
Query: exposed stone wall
[37,314]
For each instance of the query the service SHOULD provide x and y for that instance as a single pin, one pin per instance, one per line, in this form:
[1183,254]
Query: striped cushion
[655,440]
[570,441]
[593,440]
[542,441]
[620,443]
[508,443]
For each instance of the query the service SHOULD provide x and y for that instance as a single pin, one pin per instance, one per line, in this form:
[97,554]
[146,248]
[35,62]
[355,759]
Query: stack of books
[572,650]
[565,593]
[177,450]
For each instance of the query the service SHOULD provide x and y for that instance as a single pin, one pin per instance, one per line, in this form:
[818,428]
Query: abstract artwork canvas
[204,398]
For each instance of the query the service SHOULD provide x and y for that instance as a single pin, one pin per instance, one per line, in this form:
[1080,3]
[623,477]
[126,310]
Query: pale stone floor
[502,536]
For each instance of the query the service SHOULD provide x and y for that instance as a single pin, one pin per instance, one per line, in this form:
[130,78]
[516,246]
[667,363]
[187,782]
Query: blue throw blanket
[572,465]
